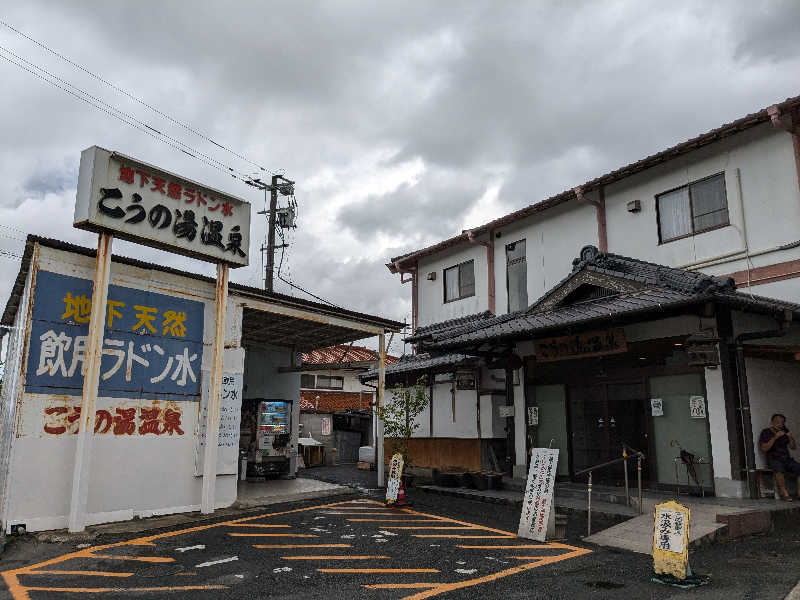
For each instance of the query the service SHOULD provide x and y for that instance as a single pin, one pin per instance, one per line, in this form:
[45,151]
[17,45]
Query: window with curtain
[307,381]
[330,382]
[693,208]
[459,281]
[516,276]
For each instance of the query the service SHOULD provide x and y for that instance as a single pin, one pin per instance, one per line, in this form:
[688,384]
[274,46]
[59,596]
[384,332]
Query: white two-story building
[639,339]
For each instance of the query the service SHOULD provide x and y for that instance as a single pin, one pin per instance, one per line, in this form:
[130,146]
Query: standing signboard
[393,483]
[538,502]
[230,417]
[671,540]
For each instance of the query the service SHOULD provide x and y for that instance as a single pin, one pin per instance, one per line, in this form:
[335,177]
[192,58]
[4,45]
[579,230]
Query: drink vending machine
[273,436]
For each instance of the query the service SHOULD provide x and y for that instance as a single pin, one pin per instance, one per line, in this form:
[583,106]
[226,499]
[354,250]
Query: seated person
[775,441]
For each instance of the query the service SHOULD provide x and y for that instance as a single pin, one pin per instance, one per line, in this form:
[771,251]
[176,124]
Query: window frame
[520,259]
[313,379]
[688,187]
[444,281]
[330,378]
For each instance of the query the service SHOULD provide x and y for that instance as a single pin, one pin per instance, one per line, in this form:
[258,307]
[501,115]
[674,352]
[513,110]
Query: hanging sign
[657,407]
[533,415]
[393,483]
[591,343]
[697,407]
[671,540]
[147,205]
[505,411]
[538,501]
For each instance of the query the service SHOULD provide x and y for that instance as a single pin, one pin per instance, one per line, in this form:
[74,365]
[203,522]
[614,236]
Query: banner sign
[230,418]
[393,483]
[538,501]
[152,344]
[147,205]
[582,345]
[671,539]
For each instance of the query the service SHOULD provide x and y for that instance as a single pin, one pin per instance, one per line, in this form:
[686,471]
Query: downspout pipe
[414,271]
[490,264]
[779,120]
[744,396]
[600,212]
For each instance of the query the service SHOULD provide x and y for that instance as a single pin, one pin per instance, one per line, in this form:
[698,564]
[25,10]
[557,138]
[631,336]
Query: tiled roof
[334,401]
[726,130]
[450,326]
[343,354]
[659,288]
[420,363]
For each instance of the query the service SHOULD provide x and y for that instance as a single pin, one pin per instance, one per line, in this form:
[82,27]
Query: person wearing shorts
[775,442]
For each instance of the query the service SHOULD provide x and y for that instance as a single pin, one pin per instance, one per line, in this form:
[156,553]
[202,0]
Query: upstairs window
[325,382]
[459,281]
[307,381]
[516,276]
[693,208]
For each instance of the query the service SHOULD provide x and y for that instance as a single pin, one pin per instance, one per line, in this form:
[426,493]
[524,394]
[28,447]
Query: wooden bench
[767,492]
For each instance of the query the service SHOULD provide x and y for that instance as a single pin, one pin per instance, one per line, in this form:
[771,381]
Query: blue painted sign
[152,345]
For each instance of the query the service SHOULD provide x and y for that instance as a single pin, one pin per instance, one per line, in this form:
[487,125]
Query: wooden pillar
[381,389]
[214,390]
[91,381]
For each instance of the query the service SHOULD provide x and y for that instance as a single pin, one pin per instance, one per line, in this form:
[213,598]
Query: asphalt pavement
[353,547]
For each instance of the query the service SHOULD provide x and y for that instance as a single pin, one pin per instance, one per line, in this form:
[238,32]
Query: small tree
[400,415]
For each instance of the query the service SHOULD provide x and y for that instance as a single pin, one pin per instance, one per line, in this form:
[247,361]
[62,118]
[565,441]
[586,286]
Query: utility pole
[273,205]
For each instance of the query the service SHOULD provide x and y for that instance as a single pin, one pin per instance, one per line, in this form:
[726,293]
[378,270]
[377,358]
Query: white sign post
[538,502]
[393,484]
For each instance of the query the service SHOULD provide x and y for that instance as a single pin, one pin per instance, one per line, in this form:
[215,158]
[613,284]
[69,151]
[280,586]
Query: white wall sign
[657,407]
[669,530]
[533,415]
[505,411]
[326,425]
[147,205]
[538,499]
[697,407]
[230,418]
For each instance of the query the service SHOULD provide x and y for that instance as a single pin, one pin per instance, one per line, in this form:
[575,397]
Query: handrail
[638,455]
[609,463]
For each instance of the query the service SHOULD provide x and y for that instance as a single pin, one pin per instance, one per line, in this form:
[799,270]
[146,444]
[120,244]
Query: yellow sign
[671,540]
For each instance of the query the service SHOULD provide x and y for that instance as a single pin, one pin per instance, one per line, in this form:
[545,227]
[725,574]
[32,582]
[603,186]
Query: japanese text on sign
[152,344]
[150,206]
[537,504]
[230,417]
[671,539]
[117,420]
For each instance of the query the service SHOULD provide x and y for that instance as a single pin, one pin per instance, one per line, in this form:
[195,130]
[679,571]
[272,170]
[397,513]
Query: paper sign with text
[538,500]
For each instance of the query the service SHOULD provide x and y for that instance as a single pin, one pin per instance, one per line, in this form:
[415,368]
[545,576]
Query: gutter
[490,264]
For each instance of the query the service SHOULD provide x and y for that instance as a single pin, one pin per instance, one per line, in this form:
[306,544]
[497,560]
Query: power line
[141,125]
[186,126]
[305,291]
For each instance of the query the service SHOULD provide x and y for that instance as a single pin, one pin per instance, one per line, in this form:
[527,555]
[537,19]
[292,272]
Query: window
[693,208]
[330,382]
[516,276]
[459,281]
[307,381]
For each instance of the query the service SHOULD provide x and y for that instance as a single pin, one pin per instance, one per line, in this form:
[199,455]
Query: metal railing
[639,456]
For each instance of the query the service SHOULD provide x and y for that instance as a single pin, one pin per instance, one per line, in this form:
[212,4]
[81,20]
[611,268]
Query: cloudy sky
[402,122]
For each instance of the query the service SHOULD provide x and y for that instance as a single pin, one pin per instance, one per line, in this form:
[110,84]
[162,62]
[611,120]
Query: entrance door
[603,418]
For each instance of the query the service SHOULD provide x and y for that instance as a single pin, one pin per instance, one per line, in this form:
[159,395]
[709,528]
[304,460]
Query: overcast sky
[402,122]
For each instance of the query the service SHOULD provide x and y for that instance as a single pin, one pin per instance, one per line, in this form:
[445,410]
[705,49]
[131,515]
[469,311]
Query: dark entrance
[604,417]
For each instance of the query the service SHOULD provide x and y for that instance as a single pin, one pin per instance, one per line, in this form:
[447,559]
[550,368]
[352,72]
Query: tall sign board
[538,502]
[147,205]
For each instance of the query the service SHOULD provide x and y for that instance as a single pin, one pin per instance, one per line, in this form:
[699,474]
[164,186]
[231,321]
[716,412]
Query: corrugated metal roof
[726,130]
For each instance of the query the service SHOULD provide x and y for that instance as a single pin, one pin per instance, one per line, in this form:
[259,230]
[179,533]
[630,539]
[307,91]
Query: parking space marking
[302,546]
[262,525]
[148,559]
[376,571]
[461,537]
[334,557]
[291,535]
[82,573]
[395,520]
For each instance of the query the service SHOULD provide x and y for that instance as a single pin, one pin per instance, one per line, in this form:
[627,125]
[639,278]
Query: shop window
[326,382]
[516,276]
[459,281]
[307,381]
[694,208]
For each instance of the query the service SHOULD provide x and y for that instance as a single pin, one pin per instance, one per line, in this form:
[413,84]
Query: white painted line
[466,571]
[282,570]
[187,548]
[216,562]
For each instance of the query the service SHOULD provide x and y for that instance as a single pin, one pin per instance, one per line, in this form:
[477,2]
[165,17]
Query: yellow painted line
[265,526]
[363,513]
[301,546]
[333,557]
[461,537]
[171,588]
[392,586]
[426,527]
[378,570]
[148,559]
[395,520]
[292,535]
[506,547]
[88,573]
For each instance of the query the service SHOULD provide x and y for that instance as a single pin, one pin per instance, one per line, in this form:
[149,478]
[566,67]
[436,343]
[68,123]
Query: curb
[468,495]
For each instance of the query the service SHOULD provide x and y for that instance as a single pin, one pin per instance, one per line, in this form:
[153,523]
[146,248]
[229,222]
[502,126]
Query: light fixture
[678,345]
[642,358]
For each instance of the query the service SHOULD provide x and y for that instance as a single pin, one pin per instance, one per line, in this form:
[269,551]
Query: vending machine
[273,436]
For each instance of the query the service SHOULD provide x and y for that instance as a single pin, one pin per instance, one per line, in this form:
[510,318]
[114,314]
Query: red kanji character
[174,190]
[158,185]
[125,174]
[123,422]
[189,193]
[102,417]
[76,414]
[149,418]
[144,178]
[201,199]
[215,207]
[50,427]
[172,421]
[227,209]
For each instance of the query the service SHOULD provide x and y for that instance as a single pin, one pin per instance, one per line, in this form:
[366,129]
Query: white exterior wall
[423,419]
[432,307]
[128,475]
[465,424]
[351,381]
